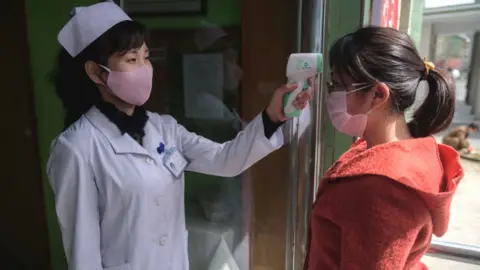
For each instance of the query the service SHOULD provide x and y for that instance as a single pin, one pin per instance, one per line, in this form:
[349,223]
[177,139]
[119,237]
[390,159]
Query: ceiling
[457,19]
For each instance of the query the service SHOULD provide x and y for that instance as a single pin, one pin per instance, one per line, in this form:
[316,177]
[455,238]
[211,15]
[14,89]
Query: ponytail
[436,112]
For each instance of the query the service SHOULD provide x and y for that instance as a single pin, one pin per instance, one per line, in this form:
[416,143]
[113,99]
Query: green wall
[416,20]
[367,5]
[45,19]
[344,16]
[411,17]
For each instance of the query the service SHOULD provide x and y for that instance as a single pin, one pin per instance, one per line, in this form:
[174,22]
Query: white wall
[425,50]
[425,43]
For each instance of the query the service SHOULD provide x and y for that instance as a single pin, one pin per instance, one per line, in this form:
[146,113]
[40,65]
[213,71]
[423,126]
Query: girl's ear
[94,72]
[381,94]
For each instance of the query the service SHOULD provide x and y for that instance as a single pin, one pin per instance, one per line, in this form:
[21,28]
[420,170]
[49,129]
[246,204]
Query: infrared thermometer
[300,67]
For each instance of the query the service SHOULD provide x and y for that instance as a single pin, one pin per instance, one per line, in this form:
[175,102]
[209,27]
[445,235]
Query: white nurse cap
[88,24]
[207,35]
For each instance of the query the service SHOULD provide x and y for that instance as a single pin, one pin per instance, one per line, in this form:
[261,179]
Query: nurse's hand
[275,108]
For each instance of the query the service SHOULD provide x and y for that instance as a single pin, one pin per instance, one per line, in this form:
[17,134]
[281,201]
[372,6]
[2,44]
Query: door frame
[25,220]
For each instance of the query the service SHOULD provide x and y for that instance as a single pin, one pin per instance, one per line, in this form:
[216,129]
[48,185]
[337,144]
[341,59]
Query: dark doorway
[23,228]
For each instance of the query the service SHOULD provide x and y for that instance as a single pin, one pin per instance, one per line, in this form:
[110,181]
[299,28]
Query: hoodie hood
[432,170]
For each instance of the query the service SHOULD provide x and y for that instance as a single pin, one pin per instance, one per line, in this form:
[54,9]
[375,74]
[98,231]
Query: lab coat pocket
[120,267]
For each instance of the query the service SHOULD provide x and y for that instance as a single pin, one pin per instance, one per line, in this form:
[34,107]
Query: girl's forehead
[140,49]
[144,46]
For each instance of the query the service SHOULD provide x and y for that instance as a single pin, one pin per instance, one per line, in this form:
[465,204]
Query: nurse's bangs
[123,37]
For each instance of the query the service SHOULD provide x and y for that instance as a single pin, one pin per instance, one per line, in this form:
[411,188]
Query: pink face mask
[133,87]
[353,125]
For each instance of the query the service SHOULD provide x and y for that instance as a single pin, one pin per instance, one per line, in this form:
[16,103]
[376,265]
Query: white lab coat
[118,207]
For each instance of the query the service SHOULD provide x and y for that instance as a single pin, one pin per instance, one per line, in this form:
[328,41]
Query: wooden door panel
[23,228]
[268,37]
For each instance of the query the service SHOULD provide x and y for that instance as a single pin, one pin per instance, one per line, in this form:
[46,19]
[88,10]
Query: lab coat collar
[121,143]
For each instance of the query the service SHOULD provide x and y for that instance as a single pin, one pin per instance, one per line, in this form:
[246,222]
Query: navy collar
[133,125]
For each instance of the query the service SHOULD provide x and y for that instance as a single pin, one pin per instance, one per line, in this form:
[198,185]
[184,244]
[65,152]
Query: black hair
[378,54]
[473,126]
[73,86]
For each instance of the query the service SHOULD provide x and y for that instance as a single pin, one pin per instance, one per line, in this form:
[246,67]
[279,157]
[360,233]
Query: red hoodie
[377,208]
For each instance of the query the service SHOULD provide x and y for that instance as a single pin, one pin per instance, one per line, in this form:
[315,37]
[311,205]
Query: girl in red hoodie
[380,203]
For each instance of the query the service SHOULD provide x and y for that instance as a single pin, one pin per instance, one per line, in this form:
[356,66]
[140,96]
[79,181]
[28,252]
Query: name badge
[175,162]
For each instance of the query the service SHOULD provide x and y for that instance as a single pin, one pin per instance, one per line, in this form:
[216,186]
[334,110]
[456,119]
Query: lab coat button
[164,241]
[149,161]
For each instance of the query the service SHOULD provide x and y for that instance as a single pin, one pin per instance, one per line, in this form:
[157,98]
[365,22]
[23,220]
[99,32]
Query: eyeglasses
[338,87]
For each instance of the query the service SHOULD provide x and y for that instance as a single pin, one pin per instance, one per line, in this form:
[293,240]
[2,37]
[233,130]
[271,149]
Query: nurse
[117,169]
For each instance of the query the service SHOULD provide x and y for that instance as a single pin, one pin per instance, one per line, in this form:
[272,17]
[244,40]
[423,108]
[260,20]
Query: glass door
[307,144]
[214,74]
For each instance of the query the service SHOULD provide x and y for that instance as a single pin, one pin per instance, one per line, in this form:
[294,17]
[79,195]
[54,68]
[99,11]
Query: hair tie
[428,67]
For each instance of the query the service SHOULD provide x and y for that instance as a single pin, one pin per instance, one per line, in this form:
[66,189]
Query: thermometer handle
[288,109]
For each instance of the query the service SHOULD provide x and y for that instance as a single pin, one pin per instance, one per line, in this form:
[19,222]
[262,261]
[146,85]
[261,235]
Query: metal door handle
[455,252]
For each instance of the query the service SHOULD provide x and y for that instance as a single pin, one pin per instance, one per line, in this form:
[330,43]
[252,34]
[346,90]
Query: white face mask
[353,125]
[133,87]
